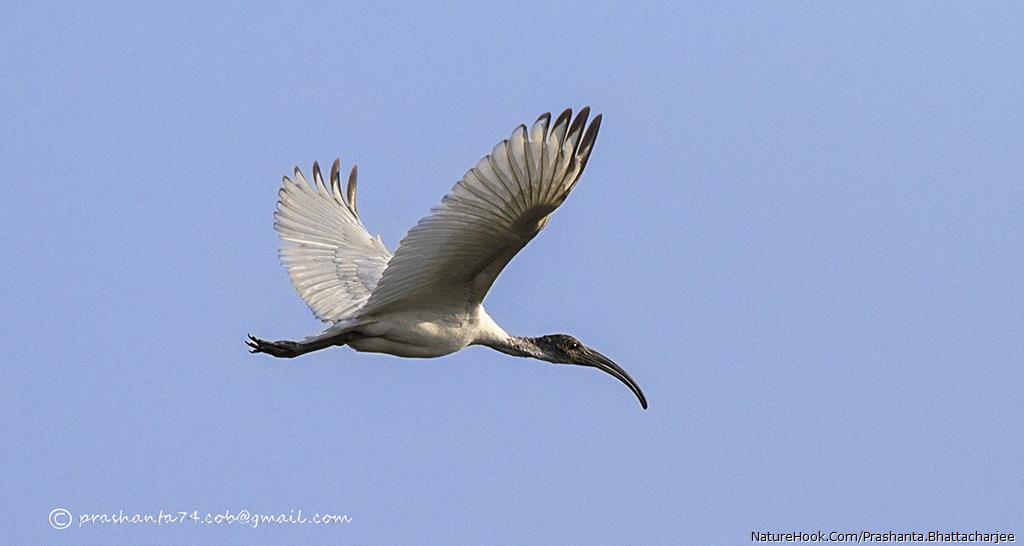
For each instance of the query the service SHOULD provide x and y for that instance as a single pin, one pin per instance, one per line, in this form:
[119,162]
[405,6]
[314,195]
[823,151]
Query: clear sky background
[801,231]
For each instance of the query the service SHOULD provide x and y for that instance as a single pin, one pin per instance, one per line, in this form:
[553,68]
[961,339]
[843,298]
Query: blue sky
[800,231]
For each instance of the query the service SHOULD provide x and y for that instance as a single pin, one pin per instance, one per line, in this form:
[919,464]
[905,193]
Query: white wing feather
[332,260]
[452,257]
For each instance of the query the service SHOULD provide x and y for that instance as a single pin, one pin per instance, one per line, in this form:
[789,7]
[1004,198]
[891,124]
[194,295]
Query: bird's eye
[575,345]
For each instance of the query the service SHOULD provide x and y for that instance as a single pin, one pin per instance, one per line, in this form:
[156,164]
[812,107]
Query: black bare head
[565,349]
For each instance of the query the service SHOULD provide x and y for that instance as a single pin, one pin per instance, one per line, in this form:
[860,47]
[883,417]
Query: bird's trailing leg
[292,349]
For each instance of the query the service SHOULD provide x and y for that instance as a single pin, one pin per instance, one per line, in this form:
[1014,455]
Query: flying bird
[426,299]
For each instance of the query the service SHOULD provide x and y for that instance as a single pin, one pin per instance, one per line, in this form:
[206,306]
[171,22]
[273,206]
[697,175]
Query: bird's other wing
[332,260]
[452,256]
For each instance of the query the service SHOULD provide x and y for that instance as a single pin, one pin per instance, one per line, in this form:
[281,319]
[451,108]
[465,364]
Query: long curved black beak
[597,360]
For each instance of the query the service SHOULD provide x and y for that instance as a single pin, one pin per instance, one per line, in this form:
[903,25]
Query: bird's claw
[253,343]
[279,349]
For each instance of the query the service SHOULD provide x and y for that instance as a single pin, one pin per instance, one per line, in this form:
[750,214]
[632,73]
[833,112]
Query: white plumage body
[424,333]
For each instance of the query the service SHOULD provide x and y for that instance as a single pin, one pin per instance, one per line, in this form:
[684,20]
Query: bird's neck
[518,346]
[491,335]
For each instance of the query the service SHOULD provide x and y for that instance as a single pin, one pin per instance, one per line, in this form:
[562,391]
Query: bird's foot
[279,349]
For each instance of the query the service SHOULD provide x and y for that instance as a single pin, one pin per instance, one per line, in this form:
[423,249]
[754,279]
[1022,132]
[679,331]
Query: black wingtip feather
[335,171]
[350,189]
[564,117]
[587,142]
[580,120]
[577,127]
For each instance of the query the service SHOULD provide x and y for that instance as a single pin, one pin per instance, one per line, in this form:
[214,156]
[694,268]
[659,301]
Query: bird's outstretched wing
[452,256]
[332,260]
